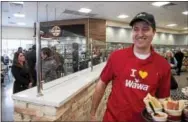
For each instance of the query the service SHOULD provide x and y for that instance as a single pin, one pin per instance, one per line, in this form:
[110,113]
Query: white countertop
[57,92]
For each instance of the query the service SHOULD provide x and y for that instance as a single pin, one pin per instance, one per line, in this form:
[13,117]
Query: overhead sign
[56,31]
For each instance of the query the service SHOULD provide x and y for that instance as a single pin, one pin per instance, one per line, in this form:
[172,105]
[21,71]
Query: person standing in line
[20,71]
[59,60]
[173,64]
[20,50]
[31,59]
[179,57]
[134,71]
[49,65]
[75,57]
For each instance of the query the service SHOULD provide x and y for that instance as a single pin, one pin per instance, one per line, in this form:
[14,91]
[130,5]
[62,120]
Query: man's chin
[140,46]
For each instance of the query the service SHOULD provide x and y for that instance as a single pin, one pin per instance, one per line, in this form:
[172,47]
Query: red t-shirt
[132,78]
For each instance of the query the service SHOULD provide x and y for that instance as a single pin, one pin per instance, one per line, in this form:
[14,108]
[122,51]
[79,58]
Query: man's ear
[154,32]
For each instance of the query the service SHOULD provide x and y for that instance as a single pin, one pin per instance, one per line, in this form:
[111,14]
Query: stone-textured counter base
[76,109]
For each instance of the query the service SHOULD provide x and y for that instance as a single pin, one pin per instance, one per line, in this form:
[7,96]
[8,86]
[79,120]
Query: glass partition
[69,51]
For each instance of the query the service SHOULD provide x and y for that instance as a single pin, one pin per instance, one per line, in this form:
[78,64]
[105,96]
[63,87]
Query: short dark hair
[34,47]
[46,51]
[20,48]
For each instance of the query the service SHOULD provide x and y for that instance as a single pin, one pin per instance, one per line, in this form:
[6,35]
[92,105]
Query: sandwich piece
[154,101]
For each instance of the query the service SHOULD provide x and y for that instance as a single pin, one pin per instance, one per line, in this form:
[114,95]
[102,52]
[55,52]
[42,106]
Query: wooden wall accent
[97,27]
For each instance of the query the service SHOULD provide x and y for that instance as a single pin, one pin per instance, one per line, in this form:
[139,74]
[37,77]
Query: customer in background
[49,65]
[173,63]
[2,60]
[171,59]
[179,57]
[59,60]
[2,71]
[75,57]
[96,55]
[20,50]
[20,71]
[31,59]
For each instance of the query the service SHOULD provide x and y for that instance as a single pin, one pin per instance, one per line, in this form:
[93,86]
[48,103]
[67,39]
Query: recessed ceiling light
[84,10]
[185,12]
[19,15]
[21,23]
[122,16]
[159,4]
[18,2]
[171,25]
[185,28]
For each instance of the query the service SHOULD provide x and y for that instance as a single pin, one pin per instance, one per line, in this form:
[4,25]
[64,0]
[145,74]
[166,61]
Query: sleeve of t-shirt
[107,72]
[164,86]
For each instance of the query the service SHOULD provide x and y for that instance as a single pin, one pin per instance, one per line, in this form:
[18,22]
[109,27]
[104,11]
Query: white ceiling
[104,10]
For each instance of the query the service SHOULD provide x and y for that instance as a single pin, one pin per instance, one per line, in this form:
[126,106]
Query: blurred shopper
[179,57]
[171,59]
[59,60]
[75,57]
[134,71]
[49,65]
[20,50]
[173,64]
[2,71]
[20,71]
[96,55]
[2,60]
[6,60]
[31,59]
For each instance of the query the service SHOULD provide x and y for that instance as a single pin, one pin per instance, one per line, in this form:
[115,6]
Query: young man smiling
[134,72]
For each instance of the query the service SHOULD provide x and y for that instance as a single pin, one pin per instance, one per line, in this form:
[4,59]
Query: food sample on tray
[174,105]
[174,109]
[154,101]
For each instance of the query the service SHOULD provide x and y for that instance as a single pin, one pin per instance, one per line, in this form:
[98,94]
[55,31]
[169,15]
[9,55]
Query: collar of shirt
[146,61]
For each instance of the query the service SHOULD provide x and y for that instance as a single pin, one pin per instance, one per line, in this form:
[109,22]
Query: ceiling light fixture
[159,4]
[21,23]
[171,25]
[185,12]
[84,10]
[19,15]
[122,16]
[18,2]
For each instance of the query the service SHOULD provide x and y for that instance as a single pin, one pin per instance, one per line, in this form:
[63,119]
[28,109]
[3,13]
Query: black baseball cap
[143,16]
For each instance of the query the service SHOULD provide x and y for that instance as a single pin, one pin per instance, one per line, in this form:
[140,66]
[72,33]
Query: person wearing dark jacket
[59,60]
[179,57]
[31,60]
[49,65]
[75,57]
[20,71]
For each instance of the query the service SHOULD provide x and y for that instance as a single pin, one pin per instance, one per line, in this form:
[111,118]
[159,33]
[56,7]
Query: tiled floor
[182,79]
[7,102]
